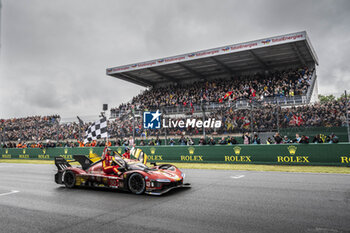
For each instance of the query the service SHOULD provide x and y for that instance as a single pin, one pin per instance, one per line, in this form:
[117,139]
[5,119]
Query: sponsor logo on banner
[44,155]
[191,156]
[345,159]
[153,155]
[237,157]
[265,42]
[23,155]
[66,155]
[226,49]
[292,157]
[6,155]
[161,61]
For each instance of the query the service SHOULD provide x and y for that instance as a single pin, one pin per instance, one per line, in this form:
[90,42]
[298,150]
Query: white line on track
[12,192]
[237,177]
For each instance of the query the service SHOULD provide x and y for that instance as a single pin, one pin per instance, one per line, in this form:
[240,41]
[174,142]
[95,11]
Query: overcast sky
[54,54]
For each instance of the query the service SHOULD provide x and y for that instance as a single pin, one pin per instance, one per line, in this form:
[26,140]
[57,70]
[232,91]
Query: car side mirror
[121,169]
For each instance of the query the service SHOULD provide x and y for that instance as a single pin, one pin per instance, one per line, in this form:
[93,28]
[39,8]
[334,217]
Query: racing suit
[107,163]
[127,154]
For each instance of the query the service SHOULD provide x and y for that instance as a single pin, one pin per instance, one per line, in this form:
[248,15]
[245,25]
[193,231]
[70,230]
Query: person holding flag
[107,161]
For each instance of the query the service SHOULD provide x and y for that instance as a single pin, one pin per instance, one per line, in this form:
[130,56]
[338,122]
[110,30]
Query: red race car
[134,175]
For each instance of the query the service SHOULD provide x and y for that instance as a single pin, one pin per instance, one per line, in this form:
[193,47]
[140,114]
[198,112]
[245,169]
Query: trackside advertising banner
[291,154]
[298,36]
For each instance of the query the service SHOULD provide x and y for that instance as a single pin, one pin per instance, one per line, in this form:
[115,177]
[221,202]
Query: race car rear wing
[84,161]
[61,163]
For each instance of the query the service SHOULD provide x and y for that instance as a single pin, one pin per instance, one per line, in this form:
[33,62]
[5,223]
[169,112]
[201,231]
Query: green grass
[244,167]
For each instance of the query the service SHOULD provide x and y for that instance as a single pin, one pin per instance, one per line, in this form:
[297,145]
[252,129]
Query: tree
[326,98]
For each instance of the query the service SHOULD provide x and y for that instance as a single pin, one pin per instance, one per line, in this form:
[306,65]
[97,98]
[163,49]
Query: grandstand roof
[263,54]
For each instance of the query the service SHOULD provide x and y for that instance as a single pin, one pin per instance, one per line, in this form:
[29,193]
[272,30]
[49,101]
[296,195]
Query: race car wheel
[136,183]
[69,179]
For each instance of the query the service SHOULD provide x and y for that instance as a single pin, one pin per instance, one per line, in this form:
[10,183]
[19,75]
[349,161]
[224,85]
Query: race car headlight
[183,175]
[163,180]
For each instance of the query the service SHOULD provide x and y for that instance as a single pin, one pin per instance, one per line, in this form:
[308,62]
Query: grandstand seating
[287,87]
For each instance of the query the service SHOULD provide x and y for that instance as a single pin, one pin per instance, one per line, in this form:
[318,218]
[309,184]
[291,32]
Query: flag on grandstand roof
[96,130]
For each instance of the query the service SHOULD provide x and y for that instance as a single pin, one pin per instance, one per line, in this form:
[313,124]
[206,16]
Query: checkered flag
[97,130]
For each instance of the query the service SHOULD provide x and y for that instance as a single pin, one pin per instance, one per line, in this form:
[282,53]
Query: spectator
[304,139]
[269,141]
[223,141]
[286,140]
[190,142]
[182,141]
[278,139]
[151,142]
[317,139]
[233,141]
[158,141]
[202,141]
[333,138]
[211,141]
[297,138]
[256,139]
[246,138]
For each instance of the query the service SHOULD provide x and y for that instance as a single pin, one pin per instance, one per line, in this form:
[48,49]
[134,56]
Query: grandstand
[238,62]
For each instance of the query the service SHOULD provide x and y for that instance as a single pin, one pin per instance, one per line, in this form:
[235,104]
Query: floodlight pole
[347,114]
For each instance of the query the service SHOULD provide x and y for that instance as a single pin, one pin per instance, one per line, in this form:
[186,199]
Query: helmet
[108,151]
[126,149]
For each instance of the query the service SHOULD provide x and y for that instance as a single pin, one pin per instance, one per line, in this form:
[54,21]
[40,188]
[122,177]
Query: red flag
[296,120]
[228,94]
[220,100]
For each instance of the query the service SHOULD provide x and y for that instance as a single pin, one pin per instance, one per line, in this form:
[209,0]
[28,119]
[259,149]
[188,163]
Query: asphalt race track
[219,201]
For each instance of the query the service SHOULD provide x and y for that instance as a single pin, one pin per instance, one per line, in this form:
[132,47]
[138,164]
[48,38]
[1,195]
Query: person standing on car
[107,162]
[126,155]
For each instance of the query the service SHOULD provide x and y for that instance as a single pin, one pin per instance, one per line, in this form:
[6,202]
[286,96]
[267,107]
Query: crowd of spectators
[278,83]
[183,141]
[264,118]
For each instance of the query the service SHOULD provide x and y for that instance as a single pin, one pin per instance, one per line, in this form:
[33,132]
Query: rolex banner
[289,154]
